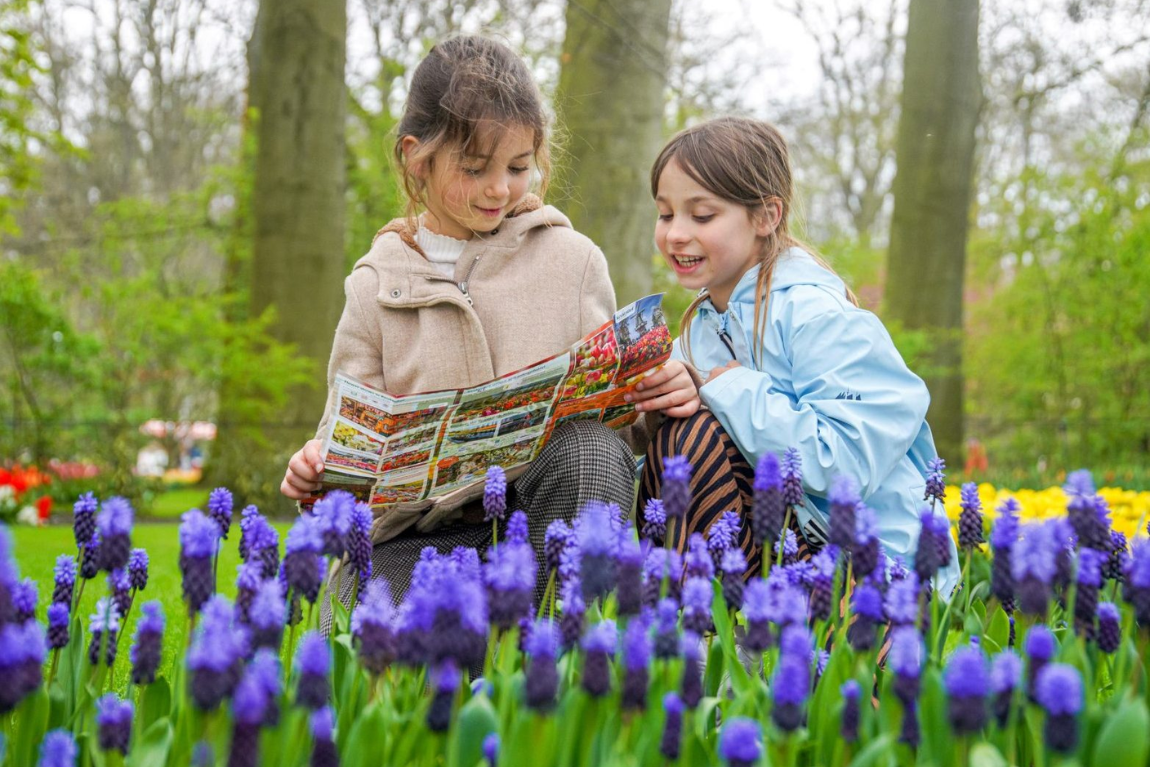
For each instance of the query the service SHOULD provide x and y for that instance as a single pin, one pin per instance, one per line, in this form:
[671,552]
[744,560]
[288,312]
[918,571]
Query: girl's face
[709,242]
[474,193]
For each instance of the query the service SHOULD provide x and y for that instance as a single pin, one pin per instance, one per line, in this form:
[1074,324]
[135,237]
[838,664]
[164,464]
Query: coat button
[395,293]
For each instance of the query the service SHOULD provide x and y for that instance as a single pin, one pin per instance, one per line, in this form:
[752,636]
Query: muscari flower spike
[359,546]
[722,535]
[445,680]
[509,576]
[792,679]
[138,569]
[1033,567]
[1059,692]
[1109,629]
[1039,646]
[114,723]
[741,742]
[557,537]
[494,494]
[768,507]
[597,540]
[220,509]
[672,726]
[691,684]
[103,626]
[58,749]
[64,576]
[676,486]
[542,675]
[372,627]
[59,620]
[147,648]
[865,548]
[324,752]
[733,565]
[598,648]
[303,563]
[1005,674]
[1003,536]
[698,562]
[628,577]
[967,684]
[198,540]
[844,500]
[970,518]
[637,650]
[216,654]
[114,524]
[84,518]
[654,520]
[935,481]
[313,662]
[851,692]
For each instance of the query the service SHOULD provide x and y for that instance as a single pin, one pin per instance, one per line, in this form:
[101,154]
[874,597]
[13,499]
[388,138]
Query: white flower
[29,516]
[7,493]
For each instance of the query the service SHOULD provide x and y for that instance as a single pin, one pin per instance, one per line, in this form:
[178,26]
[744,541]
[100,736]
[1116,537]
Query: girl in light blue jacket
[781,352]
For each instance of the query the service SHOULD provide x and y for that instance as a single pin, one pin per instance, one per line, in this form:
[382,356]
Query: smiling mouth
[687,261]
[489,211]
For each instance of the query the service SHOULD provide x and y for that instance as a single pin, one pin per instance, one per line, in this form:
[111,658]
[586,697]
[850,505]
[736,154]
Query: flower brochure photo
[388,450]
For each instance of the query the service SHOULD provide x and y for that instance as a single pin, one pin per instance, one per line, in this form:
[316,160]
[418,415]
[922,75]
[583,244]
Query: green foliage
[17,68]
[1057,345]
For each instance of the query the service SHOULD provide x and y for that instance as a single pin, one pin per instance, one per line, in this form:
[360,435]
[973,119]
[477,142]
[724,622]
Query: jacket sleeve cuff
[714,393]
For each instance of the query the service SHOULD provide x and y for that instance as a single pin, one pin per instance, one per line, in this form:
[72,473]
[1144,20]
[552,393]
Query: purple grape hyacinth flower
[629,577]
[445,680]
[103,626]
[444,614]
[542,675]
[768,507]
[313,663]
[697,562]
[332,517]
[25,595]
[666,629]
[215,657]
[672,726]
[741,742]
[598,648]
[249,709]
[58,749]
[1059,692]
[865,548]
[1040,647]
[654,521]
[267,615]
[822,582]
[59,620]
[1109,629]
[967,684]
[557,537]
[491,749]
[851,692]
[733,566]
[1005,674]
[901,602]
[510,580]
[970,518]
[1136,586]
[792,468]
[303,563]
[84,518]
[114,524]
[147,649]
[324,753]
[1033,567]
[844,500]
[1115,564]
[676,486]
[220,509]
[926,555]
[597,541]
[372,627]
[114,723]
[697,598]
[867,607]
[121,587]
[1089,580]
[198,539]
[138,569]
[359,546]
[1003,536]
[263,545]
[248,516]
[637,650]
[64,576]
[935,481]
[691,685]
[1082,508]
[792,680]
[757,610]
[494,494]
[517,527]
[722,535]
[574,611]
[905,659]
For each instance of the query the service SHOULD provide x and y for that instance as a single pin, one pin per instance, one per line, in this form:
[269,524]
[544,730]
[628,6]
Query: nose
[499,187]
[678,232]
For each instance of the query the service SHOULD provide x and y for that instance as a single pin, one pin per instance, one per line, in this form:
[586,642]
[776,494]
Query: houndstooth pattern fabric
[583,461]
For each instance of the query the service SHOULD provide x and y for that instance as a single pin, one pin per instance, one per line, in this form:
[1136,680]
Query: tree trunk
[297,88]
[941,98]
[610,102]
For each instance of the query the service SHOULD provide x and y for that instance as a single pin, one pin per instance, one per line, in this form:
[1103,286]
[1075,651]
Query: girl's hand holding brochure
[305,469]
[671,389]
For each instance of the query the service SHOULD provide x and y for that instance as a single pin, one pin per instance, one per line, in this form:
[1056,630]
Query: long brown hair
[461,84]
[746,162]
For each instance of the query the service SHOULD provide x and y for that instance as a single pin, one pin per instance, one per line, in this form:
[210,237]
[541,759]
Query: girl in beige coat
[478,280]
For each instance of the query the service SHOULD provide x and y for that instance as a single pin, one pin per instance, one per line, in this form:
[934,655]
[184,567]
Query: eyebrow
[526,154]
[690,200]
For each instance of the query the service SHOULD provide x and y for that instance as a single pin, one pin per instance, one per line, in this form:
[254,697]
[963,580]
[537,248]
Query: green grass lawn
[37,549]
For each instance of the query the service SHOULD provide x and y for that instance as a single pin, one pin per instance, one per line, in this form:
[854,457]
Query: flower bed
[634,656]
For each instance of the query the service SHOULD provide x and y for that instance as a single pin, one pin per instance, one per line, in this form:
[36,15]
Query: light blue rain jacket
[830,383]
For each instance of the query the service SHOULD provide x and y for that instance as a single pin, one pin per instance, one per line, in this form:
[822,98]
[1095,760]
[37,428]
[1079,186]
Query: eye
[517,170]
[704,219]
[666,216]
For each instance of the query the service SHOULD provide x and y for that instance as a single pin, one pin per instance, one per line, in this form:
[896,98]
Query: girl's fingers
[686,410]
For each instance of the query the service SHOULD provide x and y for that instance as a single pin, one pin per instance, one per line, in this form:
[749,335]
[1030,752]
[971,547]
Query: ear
[768,218]
[408,145]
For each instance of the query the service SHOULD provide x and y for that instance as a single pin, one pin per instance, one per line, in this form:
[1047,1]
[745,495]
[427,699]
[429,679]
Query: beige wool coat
[520,294]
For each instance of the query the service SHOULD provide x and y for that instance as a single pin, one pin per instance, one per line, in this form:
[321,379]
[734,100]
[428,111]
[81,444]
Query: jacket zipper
[467,279]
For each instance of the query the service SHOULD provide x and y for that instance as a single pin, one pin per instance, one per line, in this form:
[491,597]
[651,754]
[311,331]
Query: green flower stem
[783,535]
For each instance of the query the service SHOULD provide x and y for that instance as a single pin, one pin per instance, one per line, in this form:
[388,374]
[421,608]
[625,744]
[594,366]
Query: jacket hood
[529,214]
